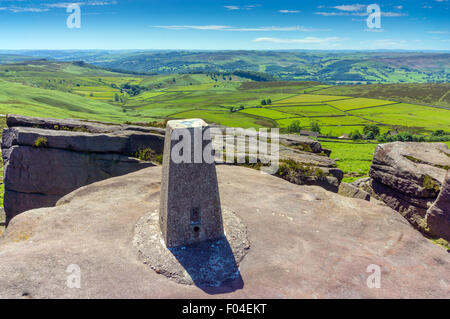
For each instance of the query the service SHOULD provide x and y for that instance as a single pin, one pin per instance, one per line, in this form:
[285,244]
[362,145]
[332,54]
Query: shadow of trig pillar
[190,209]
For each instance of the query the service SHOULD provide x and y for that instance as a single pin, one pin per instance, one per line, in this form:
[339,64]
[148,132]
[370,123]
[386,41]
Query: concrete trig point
[190,209]
[191,239]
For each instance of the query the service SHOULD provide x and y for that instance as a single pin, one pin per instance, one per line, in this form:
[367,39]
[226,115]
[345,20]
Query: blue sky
[225,24]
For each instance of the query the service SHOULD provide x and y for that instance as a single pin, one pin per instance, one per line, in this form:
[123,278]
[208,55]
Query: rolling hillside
[299,66]
[339,67]
[78,90]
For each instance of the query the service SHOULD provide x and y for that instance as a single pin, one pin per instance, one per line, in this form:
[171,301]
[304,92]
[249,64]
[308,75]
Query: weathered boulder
[408,177]
[438,215]
[415,169]
[119,142]
[75,125]
[360,182]
[305,243]
[301,142]
[352,191]
[74,153]
[48,158]
[302,160]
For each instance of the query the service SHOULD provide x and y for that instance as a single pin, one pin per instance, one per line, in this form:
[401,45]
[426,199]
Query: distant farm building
[309,133]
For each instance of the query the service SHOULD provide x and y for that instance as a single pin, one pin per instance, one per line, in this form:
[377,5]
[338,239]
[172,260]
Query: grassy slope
[435,93]
[353,158]
[65,90]
[211,96]
[20,99]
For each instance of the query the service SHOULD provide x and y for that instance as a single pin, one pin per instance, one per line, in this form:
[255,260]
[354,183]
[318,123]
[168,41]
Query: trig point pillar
[190,204]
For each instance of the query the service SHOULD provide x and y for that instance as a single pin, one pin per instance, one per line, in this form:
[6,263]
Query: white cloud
[351,7]
[393,14]
[357,10]
[22,9]
[329,14]
[232,7]
[85,3]
[46,7]
[361,14]
[193,27]
[438,32]
[307,40]
[242,29]
[249,7]
[288,11]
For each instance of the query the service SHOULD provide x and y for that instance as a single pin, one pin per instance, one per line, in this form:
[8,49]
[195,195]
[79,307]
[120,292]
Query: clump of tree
[255,76]
[315,127]
[266,102]
[356,135]
[440,133]
[371,131]
[436,136]
[294,127]
[132,89]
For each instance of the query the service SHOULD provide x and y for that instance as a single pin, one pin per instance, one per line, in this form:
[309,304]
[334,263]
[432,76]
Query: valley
[79,90]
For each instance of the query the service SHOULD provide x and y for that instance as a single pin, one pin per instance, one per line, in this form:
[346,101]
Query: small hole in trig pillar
[195,216]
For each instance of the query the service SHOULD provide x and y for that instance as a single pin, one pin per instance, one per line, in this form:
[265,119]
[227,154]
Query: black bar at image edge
[233,308]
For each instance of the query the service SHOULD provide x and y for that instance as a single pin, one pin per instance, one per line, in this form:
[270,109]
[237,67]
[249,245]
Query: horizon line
[326,50]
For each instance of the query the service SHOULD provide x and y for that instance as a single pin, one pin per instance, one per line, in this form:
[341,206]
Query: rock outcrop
[352,191]
[305,243]
[303,161]
[438,215]
[45,159]
[409,177]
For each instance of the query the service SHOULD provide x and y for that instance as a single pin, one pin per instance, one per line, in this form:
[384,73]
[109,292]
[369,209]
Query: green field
[437,94]
[354,158]
[61,89]
[76,90]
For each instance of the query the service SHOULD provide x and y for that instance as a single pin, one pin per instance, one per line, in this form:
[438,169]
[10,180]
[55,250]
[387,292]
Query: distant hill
[44,67]
[340,67]
[16,98]
[11,58]
[347,68]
